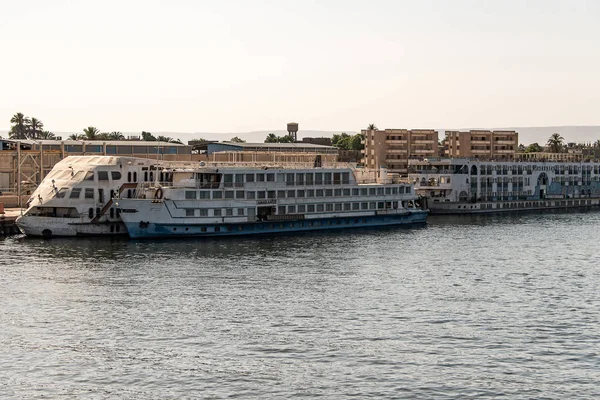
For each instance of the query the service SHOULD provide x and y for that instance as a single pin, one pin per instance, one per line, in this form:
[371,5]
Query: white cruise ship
[246,199]
[464,186]
[76,197]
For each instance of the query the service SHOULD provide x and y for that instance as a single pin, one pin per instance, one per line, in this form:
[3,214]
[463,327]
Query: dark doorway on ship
[264,212]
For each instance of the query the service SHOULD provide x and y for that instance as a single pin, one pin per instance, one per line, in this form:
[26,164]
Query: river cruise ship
[77,197]
[224,199]
[465,186]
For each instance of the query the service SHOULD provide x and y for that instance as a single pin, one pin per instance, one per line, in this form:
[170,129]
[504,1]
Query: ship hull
[494,207]
[140,229]
[66,227]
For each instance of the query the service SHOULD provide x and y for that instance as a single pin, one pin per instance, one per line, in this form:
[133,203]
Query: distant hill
[527,135]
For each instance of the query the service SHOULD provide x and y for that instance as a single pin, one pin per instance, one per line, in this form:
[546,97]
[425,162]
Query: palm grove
[24,127]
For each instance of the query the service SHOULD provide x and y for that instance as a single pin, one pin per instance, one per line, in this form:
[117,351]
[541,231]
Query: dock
[7,221]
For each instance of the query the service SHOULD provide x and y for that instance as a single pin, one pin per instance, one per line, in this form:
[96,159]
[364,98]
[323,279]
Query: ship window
[355,192]
[271,194]
[260,177]
[190,212]
[228,180]
[204,212]
[337,192]
[112,212]
[380,205]
[371,191]
[309,178]
[239,180]
[289,180]
[379,191]
[310,208]
[217,195]
[281,210]
[217,229]
[301,208]
[190,195]
[388,190]
[217,212]
[310,193]
[328,192]
[291,193]
[318,178]
[135,176]
[300,193]
[394,190]
[229,212]
[345,178]
[241,211]
[327,178]
[89,176]
[89,193]
[102,175]
[299,179]
[75,193]
[291,209]
[270,177]
[319,192]
[329,206]
[229,194]
[364,206]
[372,205]
[346,192]
[281,194]
[347,206]
[338,207]
[91,213]
[249,177]
[61,193]
[239,194]
[115,175]
[261,195]
[129,176]
[320,207]
[337,178]
[364,191]
[250,195]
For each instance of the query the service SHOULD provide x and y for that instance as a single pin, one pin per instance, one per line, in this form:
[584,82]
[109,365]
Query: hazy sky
[236,66]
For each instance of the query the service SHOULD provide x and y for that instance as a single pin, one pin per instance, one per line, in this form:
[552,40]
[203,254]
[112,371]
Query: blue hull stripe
[255,228]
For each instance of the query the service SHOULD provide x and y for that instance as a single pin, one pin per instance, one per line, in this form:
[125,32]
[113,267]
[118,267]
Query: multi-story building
[392,148]
[482,144]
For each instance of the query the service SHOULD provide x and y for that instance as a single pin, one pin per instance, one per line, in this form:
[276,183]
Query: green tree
[75,137]
[271,138]
[521,148]
[534,148]
[236,139]
[556,142]
[147,136]
[355,142]
[91,133]
[114,135]
[20,127]
[372,127]
[34,129]
[164,139]
[47,135]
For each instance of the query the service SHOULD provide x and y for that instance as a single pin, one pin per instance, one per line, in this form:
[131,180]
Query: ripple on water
[465,307]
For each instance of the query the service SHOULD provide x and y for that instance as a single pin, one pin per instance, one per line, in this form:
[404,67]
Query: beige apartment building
[482,144]
[392,148]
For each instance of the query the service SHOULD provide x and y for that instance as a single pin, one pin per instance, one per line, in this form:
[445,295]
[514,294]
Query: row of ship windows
[298,178]
[281,194]
[293,209]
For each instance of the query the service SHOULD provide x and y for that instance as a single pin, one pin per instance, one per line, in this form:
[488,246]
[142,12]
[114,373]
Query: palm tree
[236,139]
[164,139]
[147,136]
[555,142]
[91,133]
[19,130]
[371,127]
[271,138]
[75,137]
[103,136]
[34,128]
[47,135]
[116,136]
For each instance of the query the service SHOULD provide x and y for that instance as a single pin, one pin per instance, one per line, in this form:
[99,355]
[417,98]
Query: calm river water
[462,308]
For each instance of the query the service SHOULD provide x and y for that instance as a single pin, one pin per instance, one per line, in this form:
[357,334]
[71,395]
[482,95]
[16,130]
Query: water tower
[292,128]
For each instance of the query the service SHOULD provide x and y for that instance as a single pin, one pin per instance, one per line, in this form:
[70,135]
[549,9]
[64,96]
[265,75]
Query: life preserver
[158,194]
